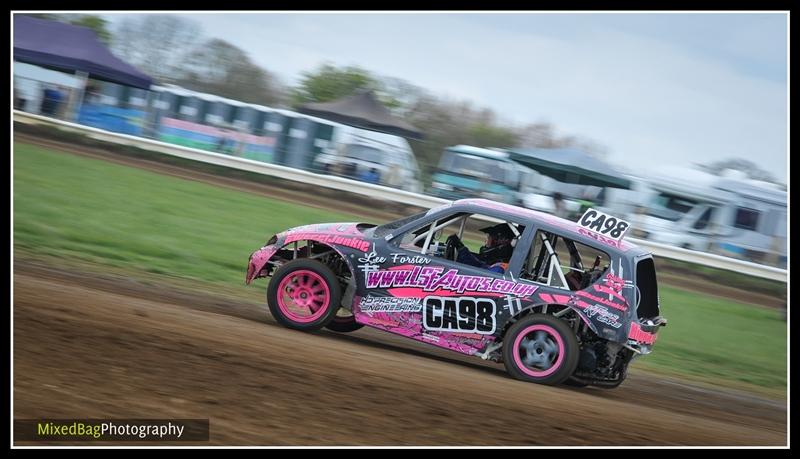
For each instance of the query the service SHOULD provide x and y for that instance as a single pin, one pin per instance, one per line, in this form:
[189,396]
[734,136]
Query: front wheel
[542,349]
[304,295]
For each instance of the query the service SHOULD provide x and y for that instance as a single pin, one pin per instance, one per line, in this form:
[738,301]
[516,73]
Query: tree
[447,122]
[399,95]
[489,135]
[90,21]
[537,135]
[444,122]
[96,23]
[156,43]
[442,126]
[329,82]
[750,168]
[47,16]
[220,68]
[542,135]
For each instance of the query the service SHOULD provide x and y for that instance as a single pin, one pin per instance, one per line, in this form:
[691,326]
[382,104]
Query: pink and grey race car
[556,301]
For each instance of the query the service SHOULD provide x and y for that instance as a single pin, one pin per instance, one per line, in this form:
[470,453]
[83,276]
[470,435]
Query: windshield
[475,166]
[387,228]
[364,153]
[670,207]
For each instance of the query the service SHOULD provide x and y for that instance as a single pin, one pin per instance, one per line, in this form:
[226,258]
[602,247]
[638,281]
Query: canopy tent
[70,48]
[362,110]
[570,166]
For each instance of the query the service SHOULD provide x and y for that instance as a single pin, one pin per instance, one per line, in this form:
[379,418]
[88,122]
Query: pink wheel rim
[538,350]
[303,296]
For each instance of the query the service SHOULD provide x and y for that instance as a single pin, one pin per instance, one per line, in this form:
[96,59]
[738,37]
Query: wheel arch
[260,258]
[561,365]
[549,309]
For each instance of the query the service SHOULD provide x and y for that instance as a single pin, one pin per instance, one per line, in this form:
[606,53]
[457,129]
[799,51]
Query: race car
[555,301]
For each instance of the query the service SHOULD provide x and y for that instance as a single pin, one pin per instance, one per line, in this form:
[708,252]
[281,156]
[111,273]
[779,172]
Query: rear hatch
[644,329]
[647,299]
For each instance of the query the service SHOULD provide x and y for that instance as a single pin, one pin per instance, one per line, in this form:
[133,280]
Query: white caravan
[730,215]
[356,152]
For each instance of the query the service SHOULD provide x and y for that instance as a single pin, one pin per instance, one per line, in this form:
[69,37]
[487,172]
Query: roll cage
[545,259]
[547,268]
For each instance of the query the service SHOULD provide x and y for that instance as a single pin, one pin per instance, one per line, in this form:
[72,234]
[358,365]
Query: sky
[654,89]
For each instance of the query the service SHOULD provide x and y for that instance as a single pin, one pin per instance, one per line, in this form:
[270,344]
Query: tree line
[173,49]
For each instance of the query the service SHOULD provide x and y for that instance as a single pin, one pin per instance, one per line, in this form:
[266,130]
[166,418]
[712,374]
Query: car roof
[542,220]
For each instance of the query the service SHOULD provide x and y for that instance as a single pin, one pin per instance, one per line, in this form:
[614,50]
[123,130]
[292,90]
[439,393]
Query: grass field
[89,210]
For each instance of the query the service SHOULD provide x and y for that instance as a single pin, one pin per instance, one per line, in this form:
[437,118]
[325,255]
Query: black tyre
[542,349]
[344,323]
[304,295]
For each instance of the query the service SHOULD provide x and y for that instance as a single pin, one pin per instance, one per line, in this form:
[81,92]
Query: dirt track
[88,345]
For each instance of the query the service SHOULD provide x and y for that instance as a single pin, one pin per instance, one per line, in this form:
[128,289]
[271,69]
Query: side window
[429,239]
[702,222]
[746,219]
[560,262]
[478,242]
[542,264]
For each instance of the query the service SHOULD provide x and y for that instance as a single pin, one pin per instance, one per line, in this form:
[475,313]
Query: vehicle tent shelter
[362,110]
[68,48]
[570,166]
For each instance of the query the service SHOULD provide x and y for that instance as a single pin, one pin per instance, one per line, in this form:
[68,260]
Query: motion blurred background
[676,122]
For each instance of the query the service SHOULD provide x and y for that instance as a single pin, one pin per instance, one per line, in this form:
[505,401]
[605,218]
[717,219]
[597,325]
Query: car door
[443,302]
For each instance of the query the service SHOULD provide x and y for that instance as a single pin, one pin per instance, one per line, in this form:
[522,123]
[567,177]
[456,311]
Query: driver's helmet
[499,246]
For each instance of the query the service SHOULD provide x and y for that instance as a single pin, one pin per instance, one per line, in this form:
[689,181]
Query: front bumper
[258,261]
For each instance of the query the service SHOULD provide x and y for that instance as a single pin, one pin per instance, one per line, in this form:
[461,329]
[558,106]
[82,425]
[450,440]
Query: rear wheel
[304,294]
[541,349]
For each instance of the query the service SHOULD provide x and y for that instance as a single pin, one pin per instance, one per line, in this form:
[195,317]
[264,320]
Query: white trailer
[725,214]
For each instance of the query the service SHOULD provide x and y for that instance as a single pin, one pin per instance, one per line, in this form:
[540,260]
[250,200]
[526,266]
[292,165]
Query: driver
[494,255]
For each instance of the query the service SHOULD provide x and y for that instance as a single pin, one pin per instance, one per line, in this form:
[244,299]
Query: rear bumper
[646,333]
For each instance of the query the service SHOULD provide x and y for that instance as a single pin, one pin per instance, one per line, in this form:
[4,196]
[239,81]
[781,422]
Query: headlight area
[259,265]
